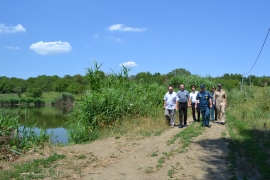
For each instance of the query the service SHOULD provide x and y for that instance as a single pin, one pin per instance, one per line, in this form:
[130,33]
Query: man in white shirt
[170,105]
[192,100]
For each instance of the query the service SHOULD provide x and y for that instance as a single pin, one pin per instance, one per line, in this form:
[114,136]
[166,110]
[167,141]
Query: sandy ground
[204,158]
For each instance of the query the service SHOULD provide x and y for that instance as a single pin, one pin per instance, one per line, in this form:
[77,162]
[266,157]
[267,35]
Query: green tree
[34,92]
[61,85]
[179,72]
[75,88]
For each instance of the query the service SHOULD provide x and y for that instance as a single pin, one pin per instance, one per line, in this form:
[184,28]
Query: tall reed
[113,99]
[16,139]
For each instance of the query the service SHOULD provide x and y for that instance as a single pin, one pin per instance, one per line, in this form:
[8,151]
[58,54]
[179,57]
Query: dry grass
[138,127]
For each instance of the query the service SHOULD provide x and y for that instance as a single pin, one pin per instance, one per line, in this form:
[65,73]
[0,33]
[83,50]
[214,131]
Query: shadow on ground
[233,159]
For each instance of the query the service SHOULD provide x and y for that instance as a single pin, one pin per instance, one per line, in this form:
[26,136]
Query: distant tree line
[77,84]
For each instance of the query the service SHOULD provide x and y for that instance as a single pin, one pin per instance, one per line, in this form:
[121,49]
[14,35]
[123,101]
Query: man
[170,105]
[205,99]
[213,109]
[221,100]
[192,100]
[183,96]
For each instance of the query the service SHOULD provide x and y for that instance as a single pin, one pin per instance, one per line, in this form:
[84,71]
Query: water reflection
[51,118]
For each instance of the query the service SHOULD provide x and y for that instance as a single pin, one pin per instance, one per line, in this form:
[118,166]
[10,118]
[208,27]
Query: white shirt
[171,100]
[193,96]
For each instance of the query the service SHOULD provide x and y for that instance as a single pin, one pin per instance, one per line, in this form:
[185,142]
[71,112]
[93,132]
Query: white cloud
[122,27]
[128,64]
[11,29]
[12,48]
[45,48]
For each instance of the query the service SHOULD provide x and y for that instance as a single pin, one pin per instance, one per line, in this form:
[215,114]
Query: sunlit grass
[248,120]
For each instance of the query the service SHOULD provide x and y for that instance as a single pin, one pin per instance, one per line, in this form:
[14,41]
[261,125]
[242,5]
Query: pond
[51,118]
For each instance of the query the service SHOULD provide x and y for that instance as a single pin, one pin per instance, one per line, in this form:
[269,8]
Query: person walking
[213,109]
[170,105]
[220,97]
[205,99]
[192,100]
[183,96]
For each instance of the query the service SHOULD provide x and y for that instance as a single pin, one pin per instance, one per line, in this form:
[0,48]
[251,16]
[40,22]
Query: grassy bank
[48,98]
[116,105]
[16,139]
[248,124]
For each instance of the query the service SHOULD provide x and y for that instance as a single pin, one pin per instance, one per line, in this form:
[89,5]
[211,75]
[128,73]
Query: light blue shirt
[171,100]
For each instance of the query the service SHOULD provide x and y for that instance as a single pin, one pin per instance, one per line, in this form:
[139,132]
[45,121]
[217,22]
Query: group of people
[203,103]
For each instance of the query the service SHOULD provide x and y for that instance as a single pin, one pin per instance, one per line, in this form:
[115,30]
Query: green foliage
[38,102]
[66,99]
[95,77]
[34,92]
[248,118]
[110,102]
[189,80]
[179,72]
[61,85]
[76,88]
[15,140]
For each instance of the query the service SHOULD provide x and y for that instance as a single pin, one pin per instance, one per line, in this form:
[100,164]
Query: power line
[259,53]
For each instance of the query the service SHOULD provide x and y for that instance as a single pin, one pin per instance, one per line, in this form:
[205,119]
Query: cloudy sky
[64,37]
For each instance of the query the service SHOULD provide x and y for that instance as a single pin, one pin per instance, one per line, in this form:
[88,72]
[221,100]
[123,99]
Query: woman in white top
[192,99]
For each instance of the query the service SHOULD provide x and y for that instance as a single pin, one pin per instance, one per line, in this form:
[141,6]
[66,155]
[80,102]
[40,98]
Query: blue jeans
[213,111]
[205,115]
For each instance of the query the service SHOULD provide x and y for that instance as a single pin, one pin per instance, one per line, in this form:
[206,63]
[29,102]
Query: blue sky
[64,37]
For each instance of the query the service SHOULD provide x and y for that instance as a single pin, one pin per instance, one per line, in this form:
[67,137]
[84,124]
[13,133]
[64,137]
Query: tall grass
[109,102]
[249,121]
[16,139]
[113,100]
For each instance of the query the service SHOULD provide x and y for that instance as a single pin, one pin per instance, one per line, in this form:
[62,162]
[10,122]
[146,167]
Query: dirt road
[151,157]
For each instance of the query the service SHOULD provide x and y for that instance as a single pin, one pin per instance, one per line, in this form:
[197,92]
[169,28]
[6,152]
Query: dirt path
[150,158]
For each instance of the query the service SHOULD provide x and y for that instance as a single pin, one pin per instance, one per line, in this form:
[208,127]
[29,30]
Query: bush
[28,100]
[38,102]
[34,92]
[66,99]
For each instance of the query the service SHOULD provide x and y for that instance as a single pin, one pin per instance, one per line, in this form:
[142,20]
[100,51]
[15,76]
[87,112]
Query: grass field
[48,97]
[248,120]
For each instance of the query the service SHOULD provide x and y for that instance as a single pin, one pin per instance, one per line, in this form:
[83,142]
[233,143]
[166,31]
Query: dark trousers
[213,111]
[194,111]
[183,111]
[205,115]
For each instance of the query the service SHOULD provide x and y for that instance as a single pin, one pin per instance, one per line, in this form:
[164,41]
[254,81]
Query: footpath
[152,157]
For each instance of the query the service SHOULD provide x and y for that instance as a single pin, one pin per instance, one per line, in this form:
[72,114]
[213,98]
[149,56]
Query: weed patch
[36,169]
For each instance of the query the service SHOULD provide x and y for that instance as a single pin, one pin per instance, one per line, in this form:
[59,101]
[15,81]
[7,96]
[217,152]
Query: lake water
[51,118]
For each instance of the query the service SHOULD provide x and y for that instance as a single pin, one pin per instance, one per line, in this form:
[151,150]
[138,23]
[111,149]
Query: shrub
[34,92]
[38,102]
[66,99]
